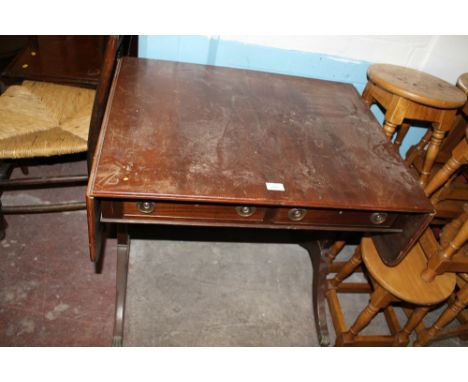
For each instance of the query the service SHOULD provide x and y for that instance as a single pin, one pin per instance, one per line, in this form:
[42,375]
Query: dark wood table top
[189,144]
[187,132]
[65,59]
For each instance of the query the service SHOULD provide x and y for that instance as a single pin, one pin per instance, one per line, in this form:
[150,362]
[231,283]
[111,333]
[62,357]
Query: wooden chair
[40,120]
[410,95]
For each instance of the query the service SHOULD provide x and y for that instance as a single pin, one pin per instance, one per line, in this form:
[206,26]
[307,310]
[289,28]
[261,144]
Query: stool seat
[409,95]
[417,86]
[404,281]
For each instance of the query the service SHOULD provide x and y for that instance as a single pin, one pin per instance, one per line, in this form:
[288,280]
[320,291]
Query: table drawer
[342,218]
[144,210]
[207,213]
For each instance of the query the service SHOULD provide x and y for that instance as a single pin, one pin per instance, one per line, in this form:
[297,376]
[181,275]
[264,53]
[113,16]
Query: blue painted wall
[215,51]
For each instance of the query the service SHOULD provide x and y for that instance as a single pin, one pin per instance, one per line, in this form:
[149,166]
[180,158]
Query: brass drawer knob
[378,217]
[296,214]
[146,207]
[245,211]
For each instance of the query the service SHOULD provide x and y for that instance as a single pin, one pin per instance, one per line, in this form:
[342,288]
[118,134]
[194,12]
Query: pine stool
[452,257]
[408,94]
[402,283]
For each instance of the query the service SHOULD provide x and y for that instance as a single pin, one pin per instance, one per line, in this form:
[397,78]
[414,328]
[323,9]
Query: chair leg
[463,320]
[379,300]
[3,223]
[402,338]
[447,315]
[418,149]
[367,95]
[24,170]
[437,263]
[123,249]
[434,145]
[389,129]
[347,268]
[335,250]
[462,317]
[450,167]
[401,134]
[5,171]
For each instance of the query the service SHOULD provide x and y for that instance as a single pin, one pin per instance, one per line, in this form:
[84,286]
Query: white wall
[442,56]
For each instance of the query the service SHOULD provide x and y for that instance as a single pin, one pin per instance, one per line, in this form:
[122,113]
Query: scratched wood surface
[178,131]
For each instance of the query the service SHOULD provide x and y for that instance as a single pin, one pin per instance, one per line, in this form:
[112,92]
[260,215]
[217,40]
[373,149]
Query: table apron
[207,214]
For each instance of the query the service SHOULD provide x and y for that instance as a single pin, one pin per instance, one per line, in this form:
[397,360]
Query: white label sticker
[275,186]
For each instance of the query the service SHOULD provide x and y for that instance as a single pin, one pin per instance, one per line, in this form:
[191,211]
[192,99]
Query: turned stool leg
[401,134]
[439,130]
[347,269]
[432,151]
[379,300]
[367,95]
[334,250]
[416,150]
[448,315]
[402,338]
[436,262]
[389,129]
[453,164]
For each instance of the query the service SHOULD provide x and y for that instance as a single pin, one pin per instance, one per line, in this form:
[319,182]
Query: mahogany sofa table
[188,144]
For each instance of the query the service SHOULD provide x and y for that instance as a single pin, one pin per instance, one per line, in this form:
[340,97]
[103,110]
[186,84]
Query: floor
[190,287]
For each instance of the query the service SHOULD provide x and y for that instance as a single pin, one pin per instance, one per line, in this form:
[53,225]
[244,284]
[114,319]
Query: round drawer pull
[245,211]
[296,214]
[378,217]
[146,207]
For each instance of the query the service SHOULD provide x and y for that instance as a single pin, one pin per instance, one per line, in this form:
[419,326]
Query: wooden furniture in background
[461,123]
[61,59]
[451,257]
[212,146]
[410,95]
[449,196]
[401,283]
[10,46]
[450,199]
[392,82]
[453,254]
[413,281]
[455,309]
[41,120]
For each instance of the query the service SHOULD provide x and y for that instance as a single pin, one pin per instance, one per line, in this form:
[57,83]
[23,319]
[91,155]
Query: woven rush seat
[40,119]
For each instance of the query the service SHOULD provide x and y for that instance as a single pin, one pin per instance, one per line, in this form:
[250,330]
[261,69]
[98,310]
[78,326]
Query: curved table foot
[319,287]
